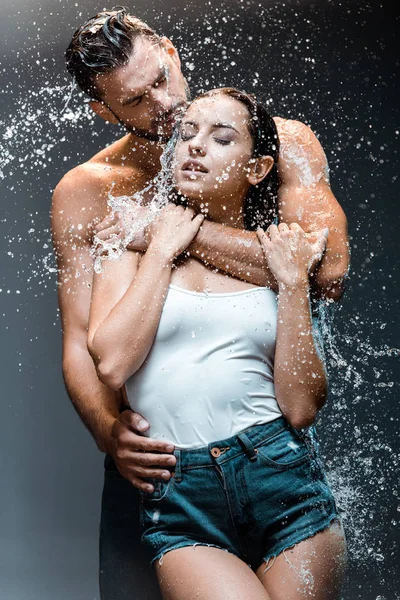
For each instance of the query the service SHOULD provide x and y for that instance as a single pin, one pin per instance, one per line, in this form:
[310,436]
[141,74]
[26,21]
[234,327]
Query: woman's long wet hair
[261,203]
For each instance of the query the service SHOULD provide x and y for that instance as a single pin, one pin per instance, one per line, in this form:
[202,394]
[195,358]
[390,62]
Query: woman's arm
[299,374]
[122,329]
[121,334]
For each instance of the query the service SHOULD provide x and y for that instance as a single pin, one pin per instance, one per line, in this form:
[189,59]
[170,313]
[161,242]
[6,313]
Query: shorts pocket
[285,450]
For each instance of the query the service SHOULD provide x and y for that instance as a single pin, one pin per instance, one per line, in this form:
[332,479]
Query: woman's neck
[220,211]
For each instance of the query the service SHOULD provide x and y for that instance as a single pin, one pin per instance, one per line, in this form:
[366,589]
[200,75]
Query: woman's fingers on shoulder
[188,210]
[273,232]
[263,238]
[109,220]
[169,208]
[110,232]
[297,233]
[198,219]
[260,234]
[177,210]
[295,228]
[283,228]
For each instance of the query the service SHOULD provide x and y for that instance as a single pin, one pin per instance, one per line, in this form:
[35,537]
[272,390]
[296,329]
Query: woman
[229,373]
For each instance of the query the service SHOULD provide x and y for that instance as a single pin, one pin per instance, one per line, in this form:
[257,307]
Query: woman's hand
[172,230]
[291,253]
[127,225]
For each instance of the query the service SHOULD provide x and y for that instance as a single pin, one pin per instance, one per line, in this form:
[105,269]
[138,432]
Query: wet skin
[214,165]
[203,155]
[126,166]
[145,94]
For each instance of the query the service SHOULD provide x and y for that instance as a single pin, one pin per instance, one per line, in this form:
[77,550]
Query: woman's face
[213,151]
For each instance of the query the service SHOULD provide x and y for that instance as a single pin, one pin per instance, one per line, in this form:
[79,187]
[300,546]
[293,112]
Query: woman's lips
[194,166]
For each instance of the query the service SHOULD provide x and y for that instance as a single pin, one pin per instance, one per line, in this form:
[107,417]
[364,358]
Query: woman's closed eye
[186,136]
[223,142]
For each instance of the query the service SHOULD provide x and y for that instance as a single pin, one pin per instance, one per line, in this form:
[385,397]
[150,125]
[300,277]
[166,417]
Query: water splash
[159,191]
[292,76]
[366,456]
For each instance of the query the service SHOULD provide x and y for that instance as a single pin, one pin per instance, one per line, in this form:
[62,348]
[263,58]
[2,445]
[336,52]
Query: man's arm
[98,406]
[234,251]
[305,198]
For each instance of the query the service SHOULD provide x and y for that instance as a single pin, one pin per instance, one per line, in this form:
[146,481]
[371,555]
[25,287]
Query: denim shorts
[254,494]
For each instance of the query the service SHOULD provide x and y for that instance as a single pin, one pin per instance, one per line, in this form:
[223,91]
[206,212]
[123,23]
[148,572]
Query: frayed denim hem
[186,544]
[270,558]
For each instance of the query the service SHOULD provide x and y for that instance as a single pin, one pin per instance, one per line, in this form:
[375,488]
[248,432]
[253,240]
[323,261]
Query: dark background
[330,64]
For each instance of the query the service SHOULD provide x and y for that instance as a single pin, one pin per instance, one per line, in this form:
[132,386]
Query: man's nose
[162,101]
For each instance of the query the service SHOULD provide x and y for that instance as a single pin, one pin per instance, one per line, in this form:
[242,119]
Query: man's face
[146,94]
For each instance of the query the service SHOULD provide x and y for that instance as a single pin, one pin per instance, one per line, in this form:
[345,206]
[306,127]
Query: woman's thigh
[204,572]
[314,568]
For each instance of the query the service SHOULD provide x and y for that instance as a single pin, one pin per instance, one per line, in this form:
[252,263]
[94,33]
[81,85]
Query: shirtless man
[134,78]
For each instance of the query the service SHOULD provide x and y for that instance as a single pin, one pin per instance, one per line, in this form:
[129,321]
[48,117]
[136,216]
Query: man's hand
[139,458]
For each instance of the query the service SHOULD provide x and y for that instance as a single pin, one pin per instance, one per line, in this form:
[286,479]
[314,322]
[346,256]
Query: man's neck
[142,152]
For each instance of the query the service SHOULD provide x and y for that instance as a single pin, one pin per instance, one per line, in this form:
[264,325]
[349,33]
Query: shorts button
[215,452]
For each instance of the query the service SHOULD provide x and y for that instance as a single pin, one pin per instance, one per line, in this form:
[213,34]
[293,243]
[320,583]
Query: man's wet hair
[102,44]
[261,203]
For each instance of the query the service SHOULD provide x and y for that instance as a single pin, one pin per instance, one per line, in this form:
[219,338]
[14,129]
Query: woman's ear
[171,50]
[259,169]
[105,113]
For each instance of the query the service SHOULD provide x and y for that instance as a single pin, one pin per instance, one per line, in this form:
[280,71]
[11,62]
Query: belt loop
[178,471]
[248,446]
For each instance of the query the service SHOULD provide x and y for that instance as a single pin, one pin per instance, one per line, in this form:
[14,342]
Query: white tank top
[209,373]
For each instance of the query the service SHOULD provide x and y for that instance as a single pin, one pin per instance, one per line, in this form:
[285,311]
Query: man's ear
[171,50]
[259,169]
[102,111]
